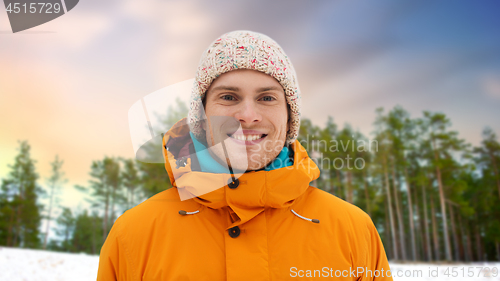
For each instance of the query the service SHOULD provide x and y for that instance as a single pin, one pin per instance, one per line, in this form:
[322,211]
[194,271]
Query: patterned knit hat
[245,50]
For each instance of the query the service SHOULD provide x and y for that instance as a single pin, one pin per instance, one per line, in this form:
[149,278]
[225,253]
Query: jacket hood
[257,190]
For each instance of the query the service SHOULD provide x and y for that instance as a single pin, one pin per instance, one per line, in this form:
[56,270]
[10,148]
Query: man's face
[255,100]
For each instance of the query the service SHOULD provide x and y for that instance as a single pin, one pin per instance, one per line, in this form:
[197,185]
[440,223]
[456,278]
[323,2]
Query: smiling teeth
[246,137]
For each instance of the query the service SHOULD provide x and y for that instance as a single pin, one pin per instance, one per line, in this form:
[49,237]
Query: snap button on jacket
[245,233]
[234,232]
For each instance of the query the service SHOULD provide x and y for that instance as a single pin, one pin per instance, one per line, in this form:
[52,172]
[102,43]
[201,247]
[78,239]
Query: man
[241,207]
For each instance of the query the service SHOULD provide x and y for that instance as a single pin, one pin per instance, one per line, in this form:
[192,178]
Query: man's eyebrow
[227,88]
[236,89]
[271,88]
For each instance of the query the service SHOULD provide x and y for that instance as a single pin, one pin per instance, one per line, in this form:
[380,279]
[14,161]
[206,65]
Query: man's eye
[268,98]
[227,97]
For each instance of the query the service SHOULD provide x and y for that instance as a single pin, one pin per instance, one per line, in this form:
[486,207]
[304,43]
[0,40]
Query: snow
[33,265]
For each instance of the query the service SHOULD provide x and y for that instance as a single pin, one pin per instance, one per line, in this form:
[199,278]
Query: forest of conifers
[432,196]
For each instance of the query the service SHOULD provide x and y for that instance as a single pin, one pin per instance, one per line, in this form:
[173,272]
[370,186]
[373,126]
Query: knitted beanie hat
[244,50]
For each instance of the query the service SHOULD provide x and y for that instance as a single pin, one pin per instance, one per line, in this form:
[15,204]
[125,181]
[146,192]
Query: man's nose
[248,113]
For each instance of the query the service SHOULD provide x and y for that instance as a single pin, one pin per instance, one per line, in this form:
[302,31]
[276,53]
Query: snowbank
[34,265]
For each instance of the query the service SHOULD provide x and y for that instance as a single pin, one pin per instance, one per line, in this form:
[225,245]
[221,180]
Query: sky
[67,86]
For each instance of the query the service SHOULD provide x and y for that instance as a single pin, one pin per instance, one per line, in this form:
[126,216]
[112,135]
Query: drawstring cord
[183,213]
[304,218]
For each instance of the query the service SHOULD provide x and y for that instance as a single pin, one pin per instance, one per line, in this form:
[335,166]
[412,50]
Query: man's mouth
[247,137]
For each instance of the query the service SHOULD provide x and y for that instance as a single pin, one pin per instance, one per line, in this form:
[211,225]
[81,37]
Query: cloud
[181,31]
[82,29]
[491,86]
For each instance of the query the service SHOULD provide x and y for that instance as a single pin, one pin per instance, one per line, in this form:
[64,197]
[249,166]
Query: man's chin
[244,166]
[254,166]
[241,162]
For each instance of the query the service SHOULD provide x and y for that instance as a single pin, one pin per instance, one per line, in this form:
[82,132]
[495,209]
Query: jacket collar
[257,190]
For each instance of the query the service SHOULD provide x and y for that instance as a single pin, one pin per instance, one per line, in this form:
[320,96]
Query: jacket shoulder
[160,207]
[126,241]
[345,221]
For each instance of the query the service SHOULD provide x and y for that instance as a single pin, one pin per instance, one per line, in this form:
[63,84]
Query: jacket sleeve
[113,262]
[376,264]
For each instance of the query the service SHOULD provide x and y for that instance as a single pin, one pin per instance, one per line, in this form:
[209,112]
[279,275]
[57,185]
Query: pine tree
[66,226]
[401,129]
[105,189]
[131,182]
[20,211]
[383,138]
[55,182]
[488,160]
[442,144]
[489,155]
[86,233]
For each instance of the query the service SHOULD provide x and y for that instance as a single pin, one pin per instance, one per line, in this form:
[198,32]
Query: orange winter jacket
[260,230]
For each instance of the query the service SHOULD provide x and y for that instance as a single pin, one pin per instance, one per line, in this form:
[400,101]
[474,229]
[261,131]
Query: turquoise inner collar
[210,165]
